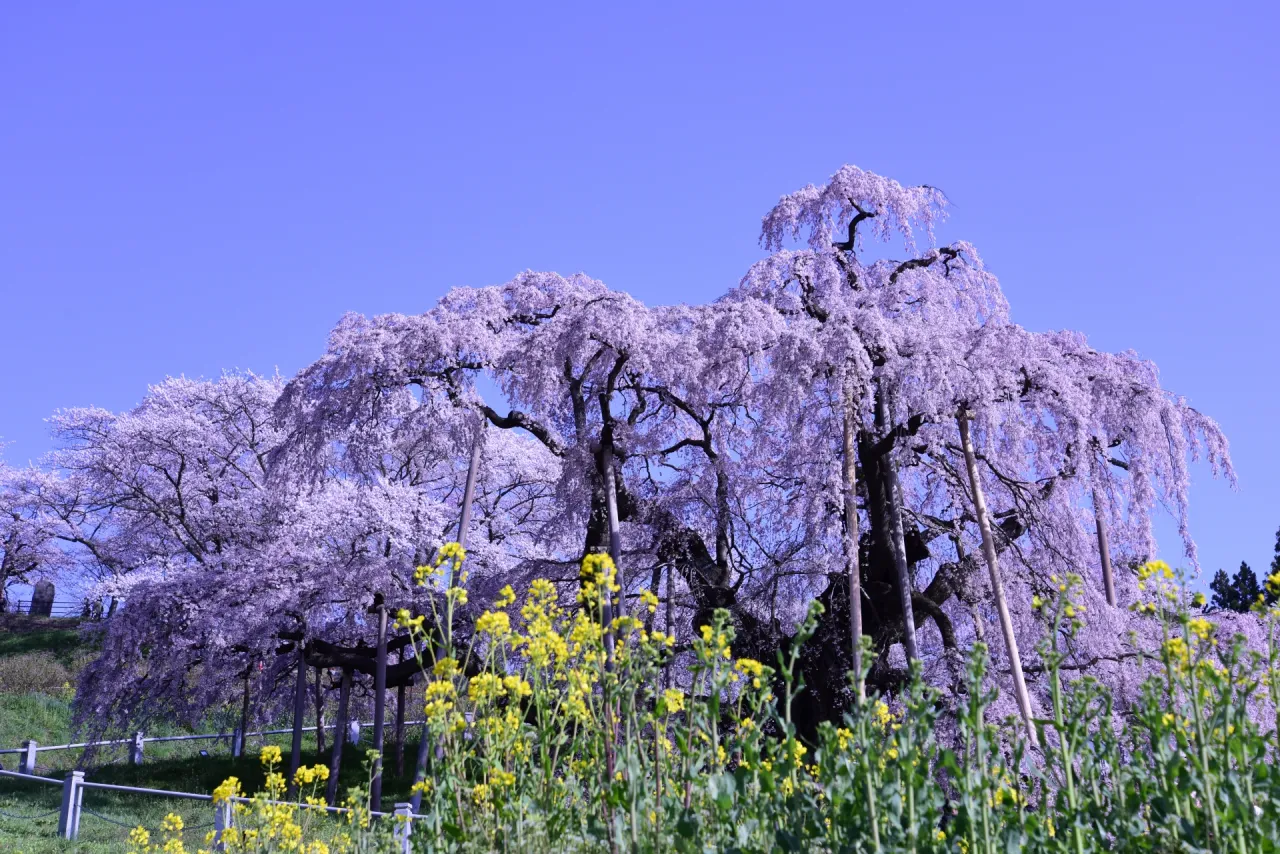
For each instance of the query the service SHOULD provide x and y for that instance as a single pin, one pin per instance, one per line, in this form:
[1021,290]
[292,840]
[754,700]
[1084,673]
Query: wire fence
[29,750]
[29,817]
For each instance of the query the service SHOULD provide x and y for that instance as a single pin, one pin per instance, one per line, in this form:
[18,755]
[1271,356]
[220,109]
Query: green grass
[180,768]
[177,766]
[59,637]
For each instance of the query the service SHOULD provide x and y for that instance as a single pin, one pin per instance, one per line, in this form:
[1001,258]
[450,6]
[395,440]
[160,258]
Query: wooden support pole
[319,698]
[339,737]
[399,735]
[379,707]
[237,741]
[299,712]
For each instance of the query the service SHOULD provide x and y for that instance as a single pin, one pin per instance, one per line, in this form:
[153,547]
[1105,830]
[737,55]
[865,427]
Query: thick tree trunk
[339,738]
[997,587]
[1104,548]
[379,710]
[979,626]
[852,538]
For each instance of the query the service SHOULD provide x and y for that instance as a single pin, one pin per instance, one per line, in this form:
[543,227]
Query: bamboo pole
[997,587]
[852,538]
[464,524]
[615,535]
[1104,548]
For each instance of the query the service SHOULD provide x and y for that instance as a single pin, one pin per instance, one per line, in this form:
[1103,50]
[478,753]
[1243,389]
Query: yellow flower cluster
[406,620]
[228,789]
[496,624]
[506,597]
[598,577]
[881,714]
[309,775]
[440,697]
[753,669]
[451,551]
[716,641]
[672,701]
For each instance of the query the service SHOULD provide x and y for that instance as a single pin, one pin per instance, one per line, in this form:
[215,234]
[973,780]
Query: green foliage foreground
[555,743]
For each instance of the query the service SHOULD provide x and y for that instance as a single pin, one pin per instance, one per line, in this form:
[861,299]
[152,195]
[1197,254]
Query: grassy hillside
[38,662]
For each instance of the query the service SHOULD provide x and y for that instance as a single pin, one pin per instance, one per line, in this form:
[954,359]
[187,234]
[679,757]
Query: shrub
[33,672]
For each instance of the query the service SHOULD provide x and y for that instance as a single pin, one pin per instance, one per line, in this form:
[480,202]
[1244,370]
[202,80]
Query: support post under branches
[464,524]
[299,712]
[1104,548]
[997,587]
[851,537]
[379,708]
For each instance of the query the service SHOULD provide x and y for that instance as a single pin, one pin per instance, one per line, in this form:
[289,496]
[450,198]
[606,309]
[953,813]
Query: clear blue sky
[190,188]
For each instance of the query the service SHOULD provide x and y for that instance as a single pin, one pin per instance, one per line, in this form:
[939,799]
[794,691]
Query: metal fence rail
[31,748]
[58,609]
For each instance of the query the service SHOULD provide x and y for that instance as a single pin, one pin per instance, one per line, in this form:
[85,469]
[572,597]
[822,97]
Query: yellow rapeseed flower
[673,700]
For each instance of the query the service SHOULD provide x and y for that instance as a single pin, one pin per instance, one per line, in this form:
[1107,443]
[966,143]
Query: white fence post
[404,827]
[27,761]
[353,733]
[221,823]
[237,743]
[75,824]
[135,754]
[67,816]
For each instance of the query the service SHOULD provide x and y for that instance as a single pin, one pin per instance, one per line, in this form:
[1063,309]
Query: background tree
[1240,592]
[26,549]
[1275,561]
